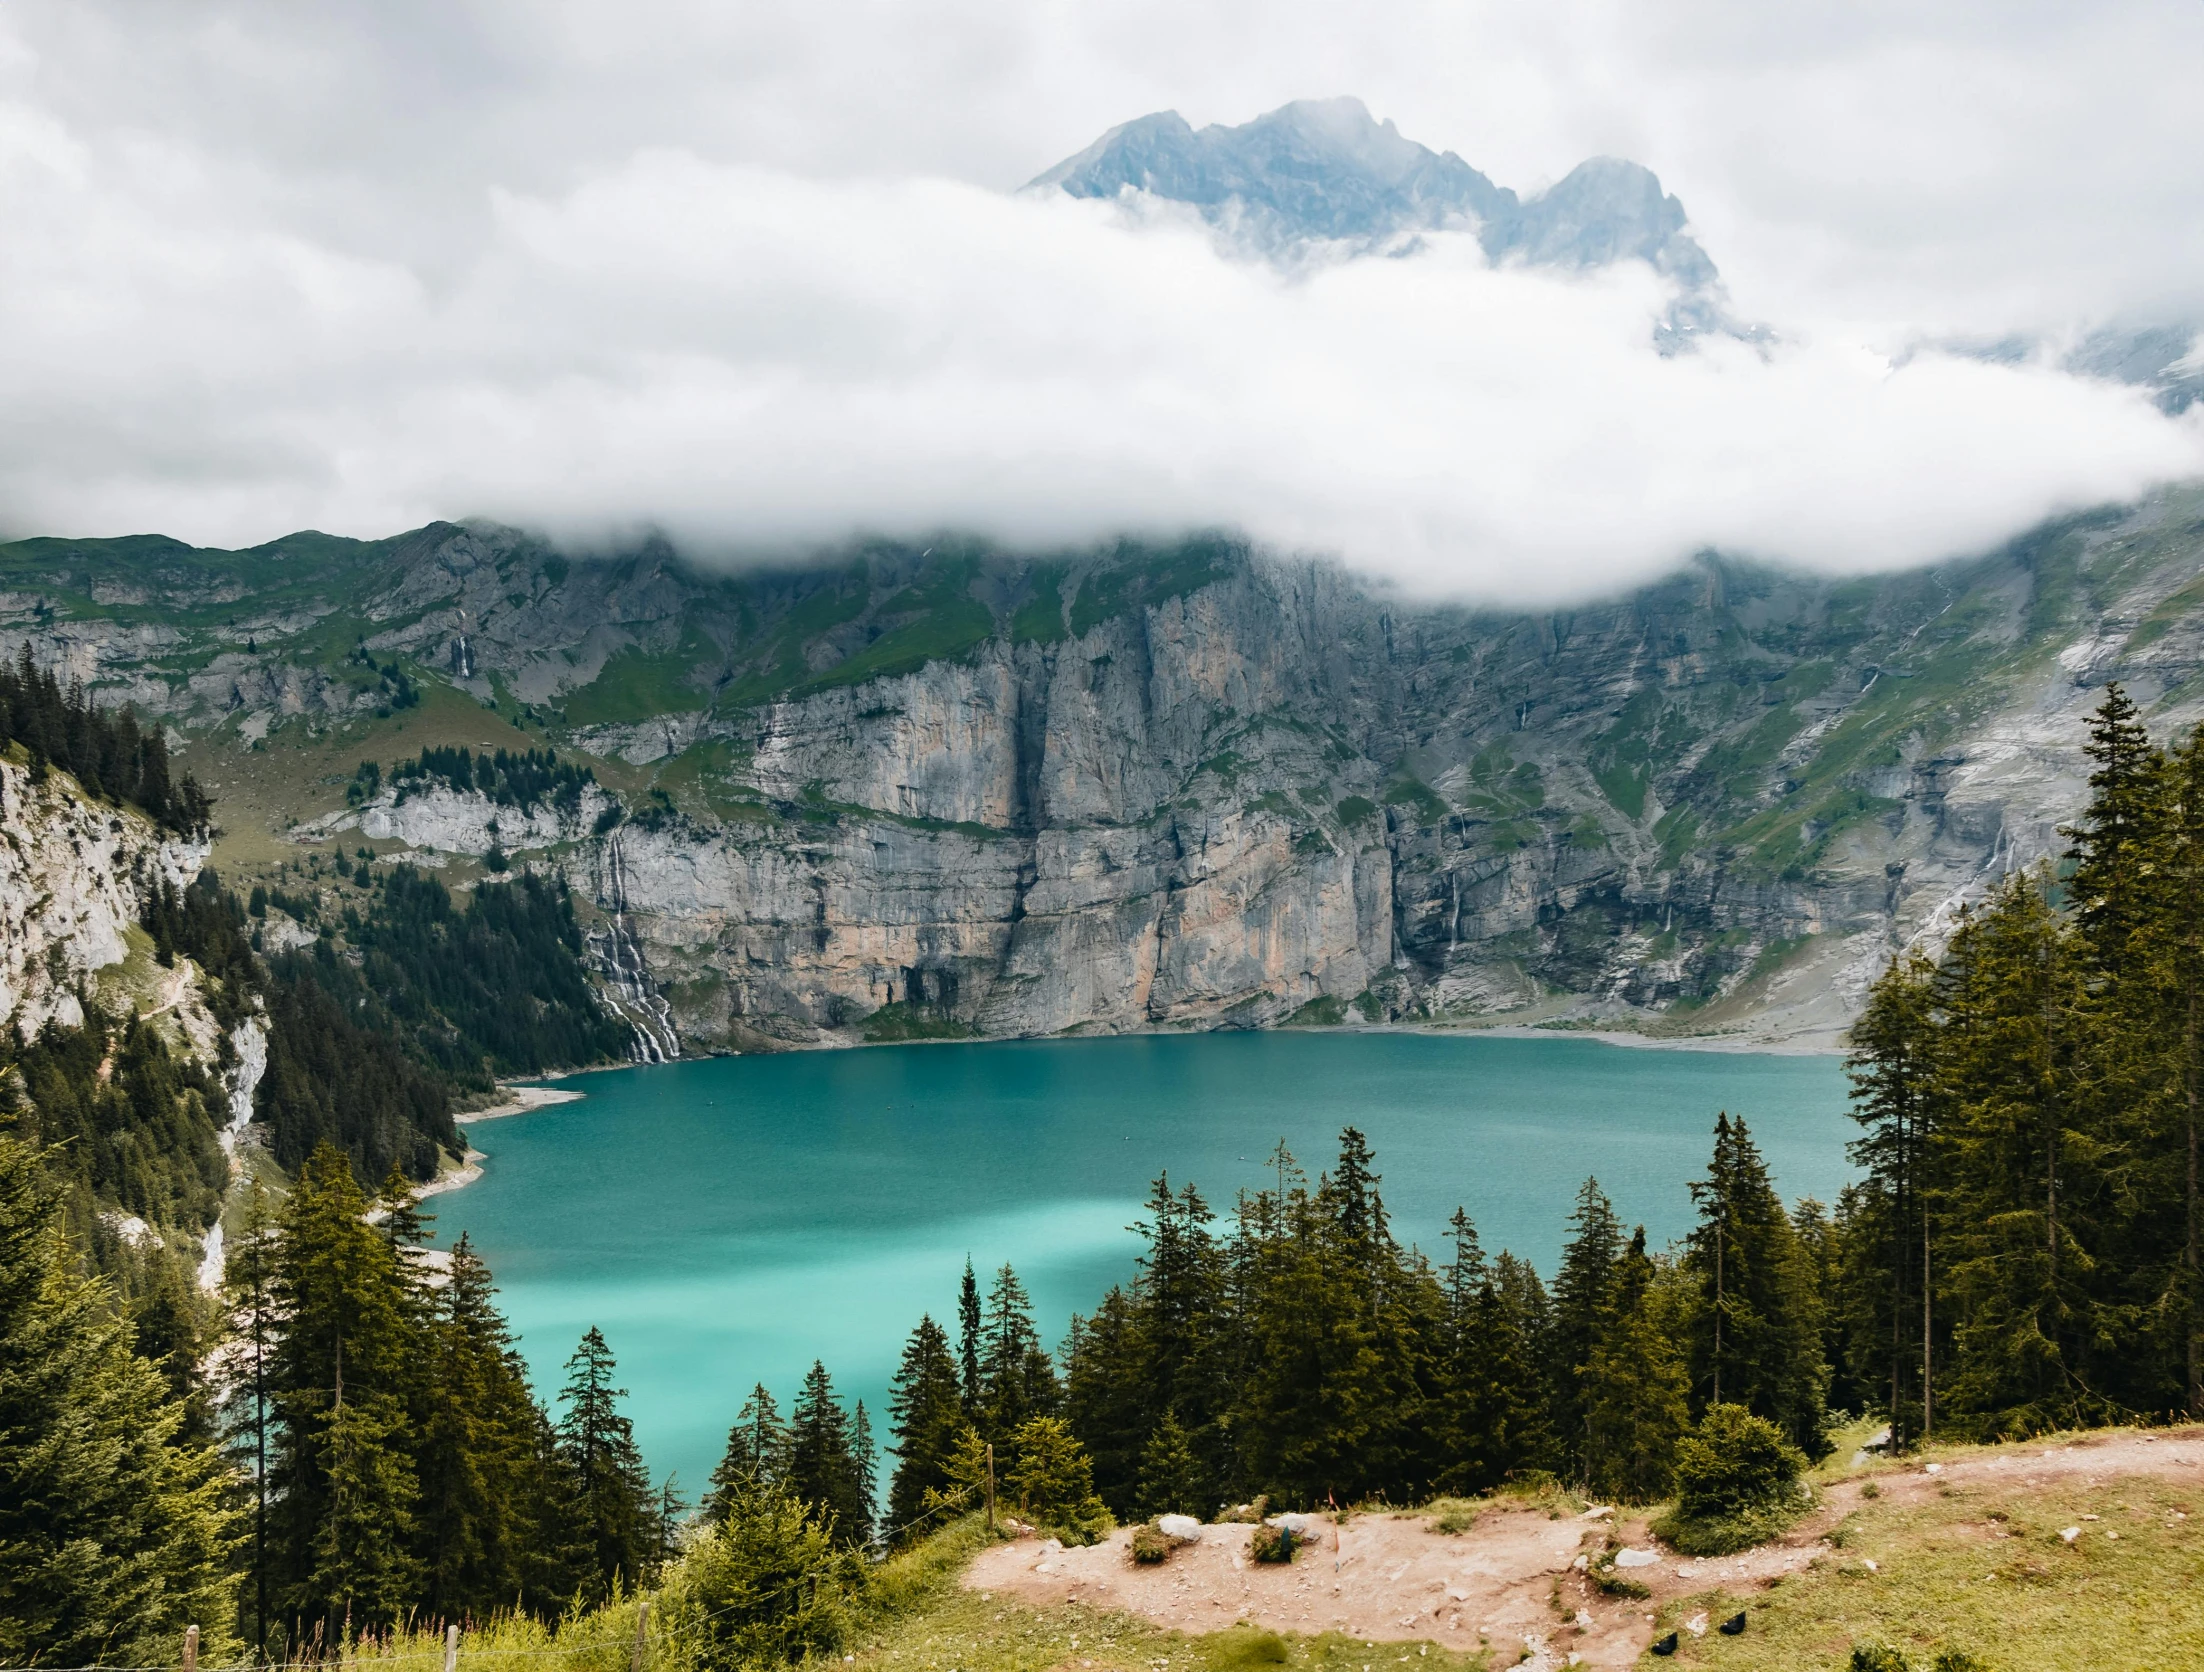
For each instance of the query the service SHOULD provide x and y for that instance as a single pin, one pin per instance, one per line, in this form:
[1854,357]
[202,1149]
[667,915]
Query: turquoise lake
[728,1220]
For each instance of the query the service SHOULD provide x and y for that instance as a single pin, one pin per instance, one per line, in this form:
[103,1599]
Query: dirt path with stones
[1513,1580]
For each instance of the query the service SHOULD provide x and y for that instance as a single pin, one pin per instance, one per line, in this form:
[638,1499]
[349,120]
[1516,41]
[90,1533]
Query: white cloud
[352,269]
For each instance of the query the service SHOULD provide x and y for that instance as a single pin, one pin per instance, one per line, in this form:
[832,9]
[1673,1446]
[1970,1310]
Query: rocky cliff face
[74,876]
[966,791]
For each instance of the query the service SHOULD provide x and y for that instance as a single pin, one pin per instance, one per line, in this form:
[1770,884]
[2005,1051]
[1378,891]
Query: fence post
[191,1649]
[451,1649]
[642,1632]
[991,1489]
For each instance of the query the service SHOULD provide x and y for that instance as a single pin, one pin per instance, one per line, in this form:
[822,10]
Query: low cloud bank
[753,361]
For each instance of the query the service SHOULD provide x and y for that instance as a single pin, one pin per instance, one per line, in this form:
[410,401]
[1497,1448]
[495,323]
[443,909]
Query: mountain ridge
[1000,793]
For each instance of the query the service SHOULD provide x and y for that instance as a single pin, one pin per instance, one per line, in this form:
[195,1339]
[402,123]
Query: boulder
[1179,1529]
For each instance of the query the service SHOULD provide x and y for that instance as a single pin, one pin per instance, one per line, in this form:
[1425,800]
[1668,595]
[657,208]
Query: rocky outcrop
[74,876]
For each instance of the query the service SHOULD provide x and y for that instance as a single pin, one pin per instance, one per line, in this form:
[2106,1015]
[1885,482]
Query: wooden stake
[191,1649]
[451,1649]
[642,1632]
[991,1489]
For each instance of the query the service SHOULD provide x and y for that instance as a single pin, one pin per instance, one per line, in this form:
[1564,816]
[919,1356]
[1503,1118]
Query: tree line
[106,751]
[1299,1351]
[509,777]
[2023,1253]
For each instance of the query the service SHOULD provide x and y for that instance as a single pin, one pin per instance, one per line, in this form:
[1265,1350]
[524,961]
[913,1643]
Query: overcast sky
[754,273]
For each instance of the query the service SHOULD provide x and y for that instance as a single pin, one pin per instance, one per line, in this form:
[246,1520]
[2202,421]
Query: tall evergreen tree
[2021,1176]
[1017,1377]
[1170,1474]
[969,1328]
[2177,975]
[1106,1397]
[1484,1423]
[1635,1390]
[613,1489]
[1756,1340]
[2111,883]
[1581,1304]
[491,1509]
[1894,1096]
[114,1534]
[824,1468]
[363,1569]
[350,1331]
[248,1289]
[926,1417]
[756,1457]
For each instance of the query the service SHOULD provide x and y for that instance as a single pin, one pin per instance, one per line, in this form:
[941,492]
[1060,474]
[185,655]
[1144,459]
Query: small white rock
[1179,1529]
[1696,1625]
[2070,1534]
[1636,1558]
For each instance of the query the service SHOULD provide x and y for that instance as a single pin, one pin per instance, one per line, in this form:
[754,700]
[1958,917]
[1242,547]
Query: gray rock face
[74,877]
[1193,787]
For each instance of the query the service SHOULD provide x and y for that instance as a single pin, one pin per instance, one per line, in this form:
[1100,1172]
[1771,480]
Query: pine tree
[486,1532]
[1581,1299]
[2111,881]
[1170,1475]
[364,1574]
[1756,1339]
[1054,1483]
[756,1458]
[613,1510]
[864,1454]
[1484,1424]
[2018,1170]
[2177,959]
[248,1289]
[1176,1295]
[1634,1388]
[1893,1071]
[113,1535]
[1107,1400]
[926,1416]
[969,1328]
[1822,1238]
[823,1468]
[171,1336]
[1331,1405]
[1017,1378]
[350,1331]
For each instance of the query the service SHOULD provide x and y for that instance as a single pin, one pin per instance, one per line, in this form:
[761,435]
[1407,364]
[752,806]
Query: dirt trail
[1511,1580]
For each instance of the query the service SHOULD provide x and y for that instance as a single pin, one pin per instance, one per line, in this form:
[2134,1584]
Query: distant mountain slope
[961,789]
[1326,169]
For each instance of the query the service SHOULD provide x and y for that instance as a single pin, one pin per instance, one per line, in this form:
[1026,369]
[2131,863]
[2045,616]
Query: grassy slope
[1978,1564]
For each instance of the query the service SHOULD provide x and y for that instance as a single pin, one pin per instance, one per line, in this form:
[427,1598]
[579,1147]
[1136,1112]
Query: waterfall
[618,957]
[251,1044]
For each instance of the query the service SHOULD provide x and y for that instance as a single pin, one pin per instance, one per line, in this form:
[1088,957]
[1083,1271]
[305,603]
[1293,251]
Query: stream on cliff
[727,1220]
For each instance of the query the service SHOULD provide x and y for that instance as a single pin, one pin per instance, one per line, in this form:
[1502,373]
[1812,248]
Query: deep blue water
[727,1221]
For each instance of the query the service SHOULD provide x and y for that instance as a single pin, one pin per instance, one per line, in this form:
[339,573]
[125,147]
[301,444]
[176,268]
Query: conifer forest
[348,1443]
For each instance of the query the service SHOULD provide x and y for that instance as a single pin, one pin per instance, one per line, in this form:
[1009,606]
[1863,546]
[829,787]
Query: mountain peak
[1326,170]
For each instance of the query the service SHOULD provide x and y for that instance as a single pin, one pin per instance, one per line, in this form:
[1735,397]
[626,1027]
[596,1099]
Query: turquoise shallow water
[726,1221]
